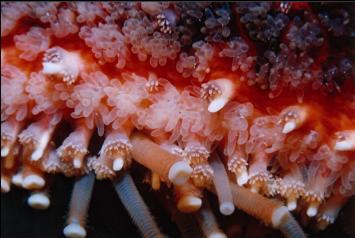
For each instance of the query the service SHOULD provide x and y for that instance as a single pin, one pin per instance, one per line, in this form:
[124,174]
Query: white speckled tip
[33,182]
[292,205]
[189,204]
[217,104]
[17,180]
[38,153]
[217,234]
[5,185]
[226,208]
[242,178]
[289,126]
[77,163]
[118,164]
[74,231]
[345,145]
[38,201]
[312,210]
[52,68]
[179,172]
[5,151]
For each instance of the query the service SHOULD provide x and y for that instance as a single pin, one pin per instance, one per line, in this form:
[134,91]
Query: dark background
[108,218]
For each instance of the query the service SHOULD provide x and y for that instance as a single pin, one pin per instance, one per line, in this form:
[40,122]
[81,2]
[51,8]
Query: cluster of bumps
[289,39]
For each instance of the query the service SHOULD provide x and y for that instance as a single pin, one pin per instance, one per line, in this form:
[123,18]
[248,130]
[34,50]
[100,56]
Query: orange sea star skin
[134,73]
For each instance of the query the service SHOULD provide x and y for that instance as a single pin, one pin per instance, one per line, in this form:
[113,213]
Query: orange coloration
[74,147]
[144,150]
[246,201]
[33,177]
[188,197]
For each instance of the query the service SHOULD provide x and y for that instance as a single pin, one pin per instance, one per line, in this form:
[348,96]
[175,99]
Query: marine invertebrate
[198,94]
[208,222]
[79,205]
[221,184]
[135,205]
[188,197]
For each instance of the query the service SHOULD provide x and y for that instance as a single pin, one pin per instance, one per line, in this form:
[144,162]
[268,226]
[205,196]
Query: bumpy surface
[268,86]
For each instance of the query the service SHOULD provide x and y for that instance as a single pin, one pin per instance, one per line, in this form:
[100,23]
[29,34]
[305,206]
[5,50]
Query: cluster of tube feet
[169,167]
[251,159]
[233,149]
